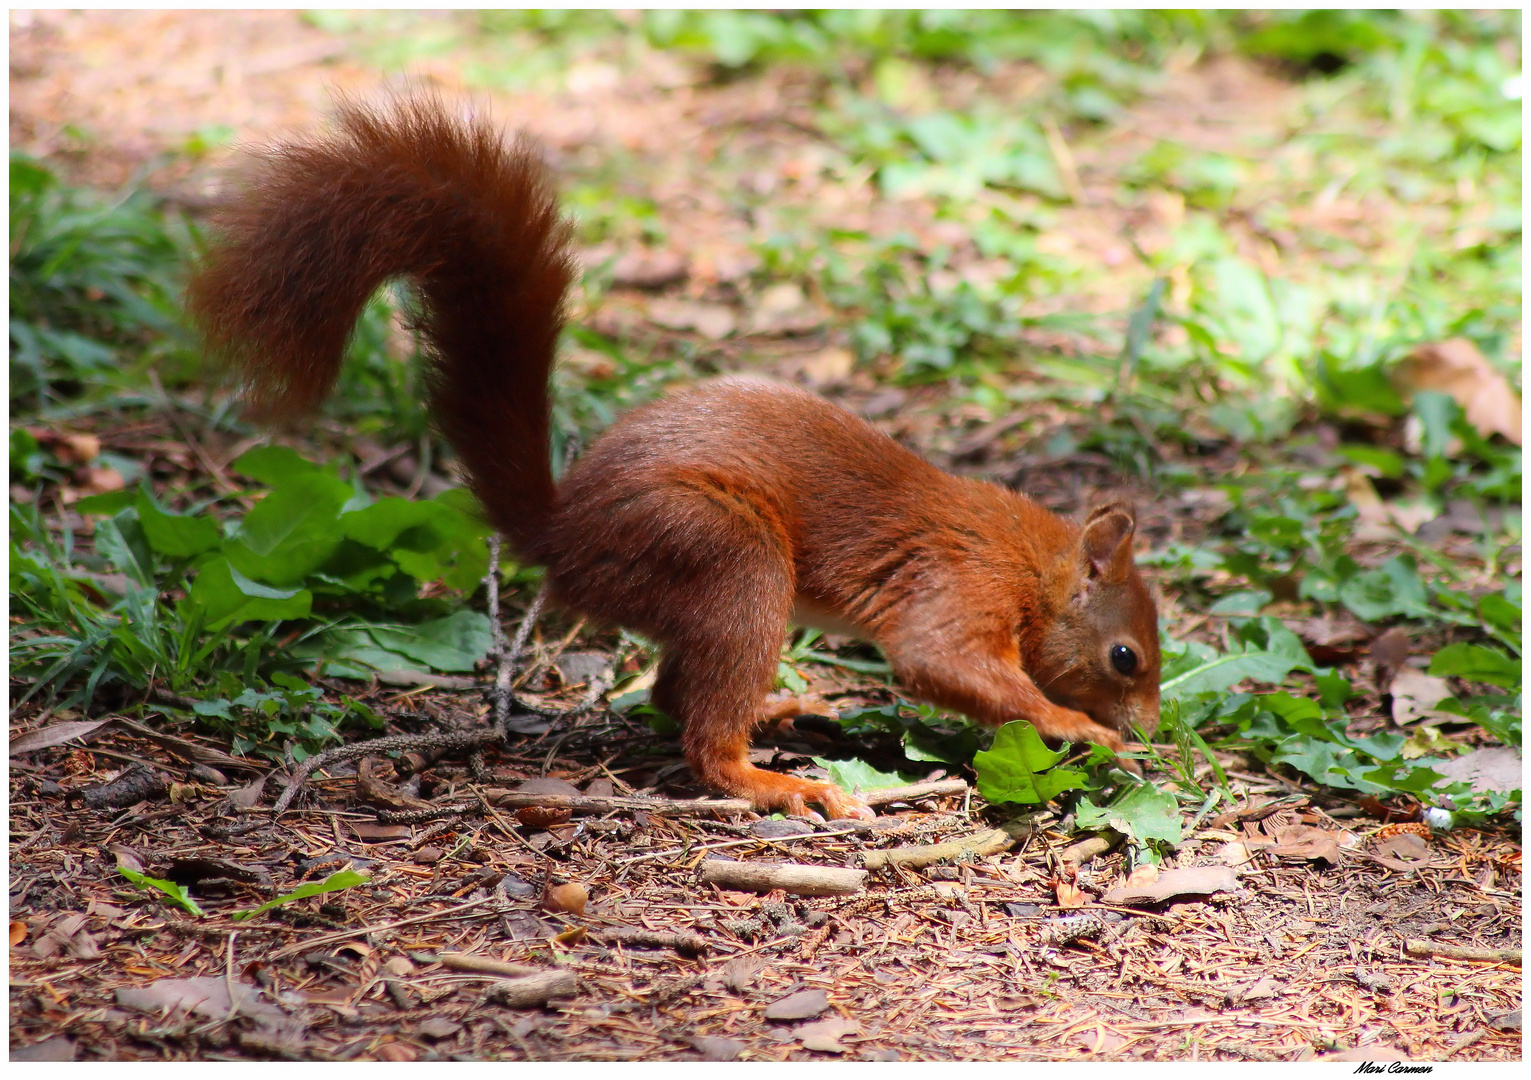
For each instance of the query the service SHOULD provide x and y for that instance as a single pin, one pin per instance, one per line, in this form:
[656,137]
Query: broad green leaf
[177,894]
[292,531]
[379,525]
[341,879]
[1392,589]
[1477,663]
[1142,812]
[107,504]
[1018,767]
[274,465]
[1270,665]
[176,536]
[1502,617]
[854,774]
[226,596]
[455,643]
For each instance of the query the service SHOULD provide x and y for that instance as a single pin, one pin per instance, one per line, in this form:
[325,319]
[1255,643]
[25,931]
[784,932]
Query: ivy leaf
[854,774]
[1018,768]
[1143,812]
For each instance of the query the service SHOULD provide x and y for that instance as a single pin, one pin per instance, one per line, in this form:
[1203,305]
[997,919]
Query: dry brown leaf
[1390,650]
[99,480]
[1232,853]
[1416,695]
[715,321]
[73,449]
[1184,881]
[18,931]
[783,308]
[1491,768]
[824,1035]
[1457,368]
[53,735]
[1070,895]
[645,269]
[828,367]
[799,1006]
[1372,521]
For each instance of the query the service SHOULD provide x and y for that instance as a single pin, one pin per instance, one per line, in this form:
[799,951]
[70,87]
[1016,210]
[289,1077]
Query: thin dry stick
[503,696]
[682,941]
[1416,947]
[363,931]
[492,597]
[990,842]
[605,804]
[438,740]
[910,792]
[461,961]
[532,989]
[800,879]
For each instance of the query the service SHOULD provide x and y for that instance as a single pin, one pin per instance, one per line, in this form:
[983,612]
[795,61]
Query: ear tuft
[1106,542]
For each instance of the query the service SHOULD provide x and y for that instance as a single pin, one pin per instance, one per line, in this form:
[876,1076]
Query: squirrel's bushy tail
[402,190]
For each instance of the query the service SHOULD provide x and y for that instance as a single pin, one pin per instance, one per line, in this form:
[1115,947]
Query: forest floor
[1334,935]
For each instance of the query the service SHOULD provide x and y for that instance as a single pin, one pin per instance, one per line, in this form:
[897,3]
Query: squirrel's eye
[1124,659]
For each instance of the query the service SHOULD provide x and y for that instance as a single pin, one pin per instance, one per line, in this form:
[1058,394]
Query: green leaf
[292,531]
[1476,663]
[226,596]
[107,504]
[121,542]
[379,525]
[854,774]
[176,536]
[274,465]
[1394,588]
[341,879]
[1018,767]
[455,643]
[1501,616]
[176,893]
[1142,812]
[1271,665]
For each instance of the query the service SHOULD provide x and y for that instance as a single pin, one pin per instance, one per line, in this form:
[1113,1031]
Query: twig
[428,813]
[989,842]
[461,961]
[533,989]
[800,879]
[442,740]
[1091,846]
[605,804]
[910,792]
[363,931]
[172,412]
[502,696]
[1417,947]
[687,944]
[1068,172]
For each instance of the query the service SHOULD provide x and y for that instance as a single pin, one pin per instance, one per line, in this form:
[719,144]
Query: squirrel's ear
[1105,545]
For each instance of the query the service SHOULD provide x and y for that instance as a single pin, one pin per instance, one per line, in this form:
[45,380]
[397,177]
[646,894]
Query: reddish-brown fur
[704,520]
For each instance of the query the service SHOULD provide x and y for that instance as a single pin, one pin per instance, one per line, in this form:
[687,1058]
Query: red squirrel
[707,520]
